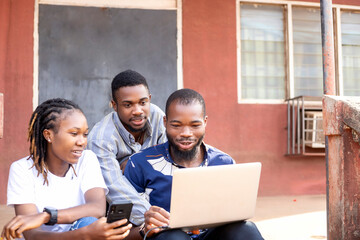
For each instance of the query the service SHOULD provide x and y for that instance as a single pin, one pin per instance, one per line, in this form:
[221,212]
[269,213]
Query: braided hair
[45,116]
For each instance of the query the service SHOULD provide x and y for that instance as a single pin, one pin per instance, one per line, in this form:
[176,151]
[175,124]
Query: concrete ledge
[340,108]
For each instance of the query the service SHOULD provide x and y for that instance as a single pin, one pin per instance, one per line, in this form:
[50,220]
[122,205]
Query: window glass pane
[308,72]
[262,52]
[350,37]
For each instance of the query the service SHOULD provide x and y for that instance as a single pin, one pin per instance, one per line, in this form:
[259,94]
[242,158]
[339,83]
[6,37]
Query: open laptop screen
[205,197]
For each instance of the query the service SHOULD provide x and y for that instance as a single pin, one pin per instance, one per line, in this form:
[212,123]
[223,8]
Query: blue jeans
[82,222]
[242,230]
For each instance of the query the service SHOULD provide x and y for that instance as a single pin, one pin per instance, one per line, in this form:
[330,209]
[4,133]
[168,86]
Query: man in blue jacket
[150,171]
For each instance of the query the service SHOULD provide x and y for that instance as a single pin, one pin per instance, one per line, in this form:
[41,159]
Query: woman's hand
[21,223]
[102,230]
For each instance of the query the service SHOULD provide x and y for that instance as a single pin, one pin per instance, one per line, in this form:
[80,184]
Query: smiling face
[185,129]
[133,107]
[67,141]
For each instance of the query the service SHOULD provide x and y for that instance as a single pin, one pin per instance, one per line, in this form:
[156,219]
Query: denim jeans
[82,222]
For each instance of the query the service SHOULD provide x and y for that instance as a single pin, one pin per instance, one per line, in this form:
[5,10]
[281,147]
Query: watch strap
[53,215]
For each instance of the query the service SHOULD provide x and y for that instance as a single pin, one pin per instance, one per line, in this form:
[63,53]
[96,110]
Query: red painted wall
[16,81]
[248,132]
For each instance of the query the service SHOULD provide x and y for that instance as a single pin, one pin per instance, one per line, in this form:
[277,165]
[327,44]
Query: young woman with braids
[58,192]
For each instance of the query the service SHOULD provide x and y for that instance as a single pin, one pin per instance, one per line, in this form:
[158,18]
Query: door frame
[126,4]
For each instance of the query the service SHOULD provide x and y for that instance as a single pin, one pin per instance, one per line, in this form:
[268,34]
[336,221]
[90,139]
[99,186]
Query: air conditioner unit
[314,134]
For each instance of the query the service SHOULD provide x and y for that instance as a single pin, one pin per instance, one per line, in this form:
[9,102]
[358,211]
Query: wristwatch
[53,215]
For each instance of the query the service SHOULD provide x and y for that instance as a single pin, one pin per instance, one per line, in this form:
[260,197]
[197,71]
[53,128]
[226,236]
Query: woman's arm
[97,230]
[28,221]
[27,217]
[95,206]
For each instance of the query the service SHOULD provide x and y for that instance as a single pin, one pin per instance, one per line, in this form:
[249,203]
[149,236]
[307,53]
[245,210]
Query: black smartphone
[119,210]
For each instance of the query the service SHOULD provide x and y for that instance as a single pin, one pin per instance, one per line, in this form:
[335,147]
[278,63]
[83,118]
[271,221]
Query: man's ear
[205,120]
[149,97]
[113,104]
[164,119]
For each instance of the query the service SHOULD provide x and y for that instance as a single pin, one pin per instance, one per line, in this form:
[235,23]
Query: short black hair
[127,78]
[185,96]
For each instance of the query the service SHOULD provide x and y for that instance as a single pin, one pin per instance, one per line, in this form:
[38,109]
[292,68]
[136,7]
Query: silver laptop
[206,197]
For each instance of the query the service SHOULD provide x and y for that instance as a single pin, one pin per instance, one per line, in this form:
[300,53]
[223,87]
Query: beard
[134,130]
[184,155]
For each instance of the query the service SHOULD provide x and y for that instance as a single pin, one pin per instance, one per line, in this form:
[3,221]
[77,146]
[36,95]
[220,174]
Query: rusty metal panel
[335,179]
[331,111]
[342,116]
[351,186]
[351,117]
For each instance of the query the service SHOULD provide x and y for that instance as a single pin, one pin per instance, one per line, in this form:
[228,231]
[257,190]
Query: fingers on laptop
[156,217]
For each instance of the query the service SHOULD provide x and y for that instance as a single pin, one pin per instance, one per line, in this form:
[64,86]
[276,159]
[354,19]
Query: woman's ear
[47,135]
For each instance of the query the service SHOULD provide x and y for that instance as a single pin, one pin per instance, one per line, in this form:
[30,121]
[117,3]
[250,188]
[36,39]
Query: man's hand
[123,165]
[21,223]
[156,217]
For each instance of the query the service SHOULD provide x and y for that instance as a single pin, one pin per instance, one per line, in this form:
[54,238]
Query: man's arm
[119,187]
[157,122]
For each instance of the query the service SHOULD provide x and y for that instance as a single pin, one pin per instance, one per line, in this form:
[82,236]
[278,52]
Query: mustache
[138,118]
[185,140]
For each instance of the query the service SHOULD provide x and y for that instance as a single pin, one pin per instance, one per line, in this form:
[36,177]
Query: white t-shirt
[27,186]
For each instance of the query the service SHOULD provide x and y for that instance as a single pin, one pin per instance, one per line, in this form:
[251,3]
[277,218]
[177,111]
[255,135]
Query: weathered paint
[327,38]
[341,127]
[16,80]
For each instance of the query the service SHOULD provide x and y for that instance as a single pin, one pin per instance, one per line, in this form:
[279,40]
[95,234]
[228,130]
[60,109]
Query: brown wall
[248,132]
[16,81]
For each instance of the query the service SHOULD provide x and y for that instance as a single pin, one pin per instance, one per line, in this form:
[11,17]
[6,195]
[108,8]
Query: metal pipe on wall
[327,39]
